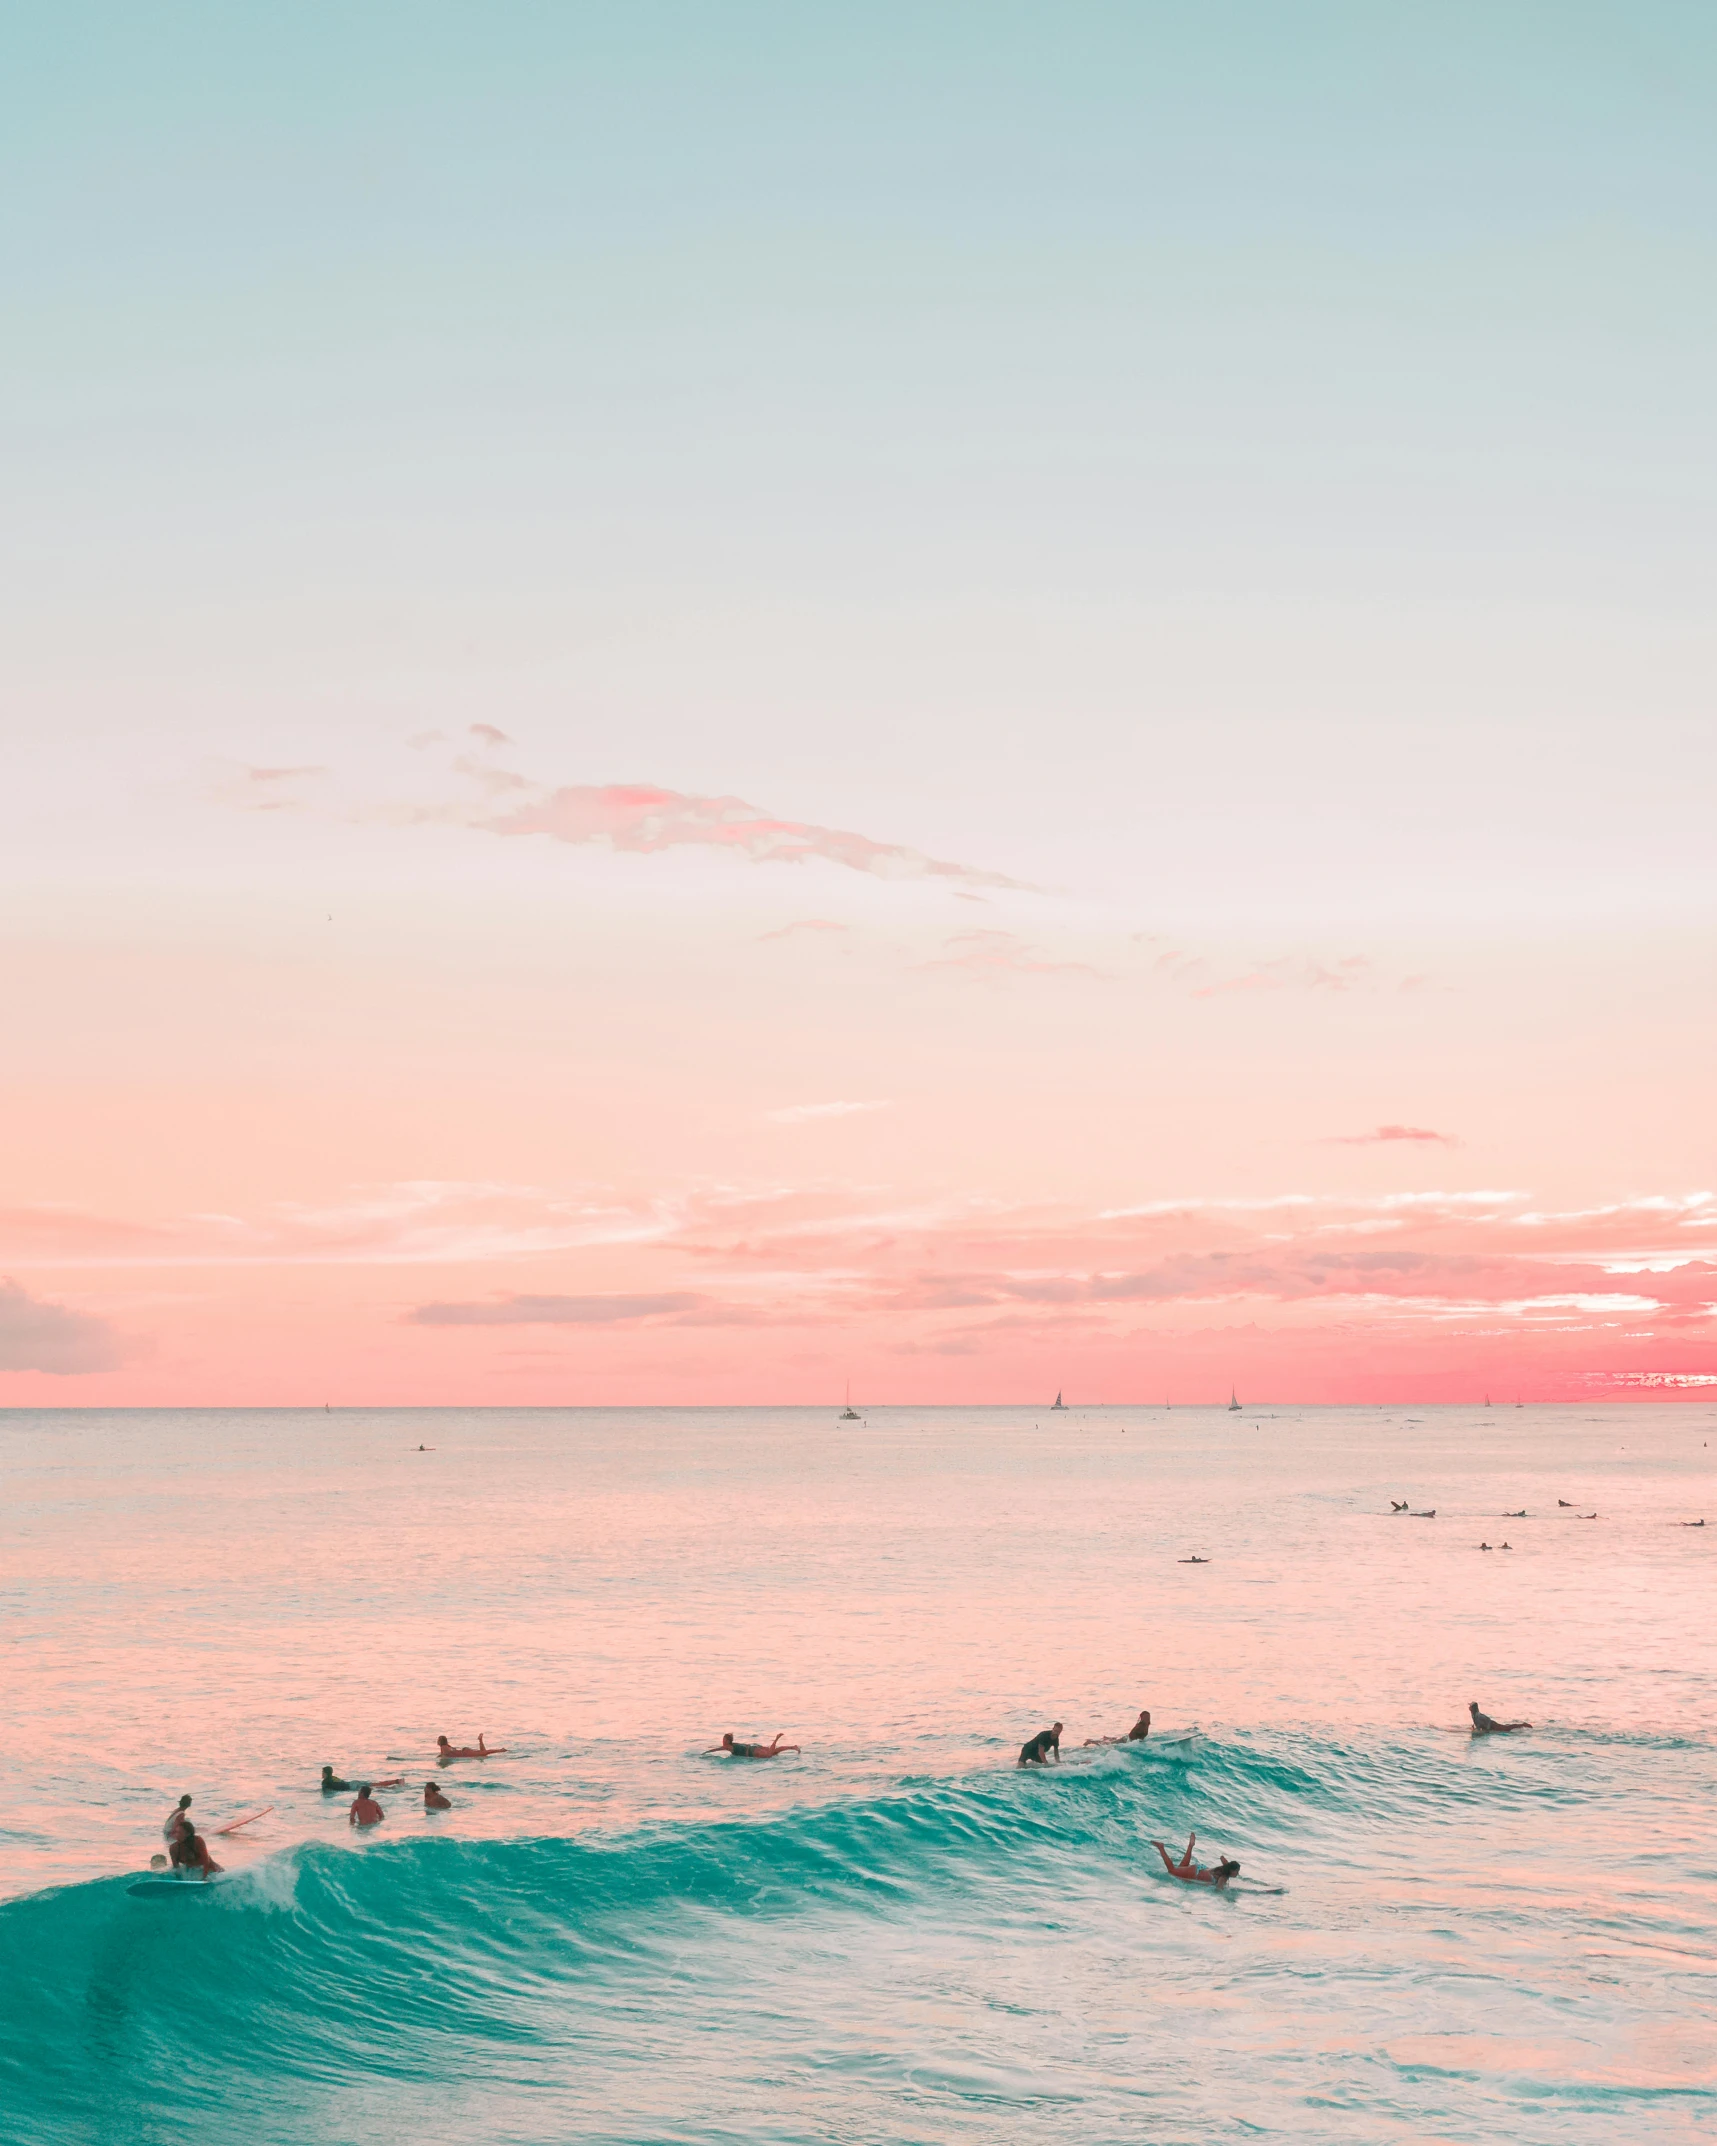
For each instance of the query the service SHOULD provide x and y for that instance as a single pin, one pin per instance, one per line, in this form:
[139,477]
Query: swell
[327,1964]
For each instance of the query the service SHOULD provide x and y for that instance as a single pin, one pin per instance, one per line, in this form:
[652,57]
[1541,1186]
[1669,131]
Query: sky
[702,703]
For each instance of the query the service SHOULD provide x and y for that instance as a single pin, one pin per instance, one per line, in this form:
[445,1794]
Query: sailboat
[849,1414]
[1058,1402]
[1233,1401]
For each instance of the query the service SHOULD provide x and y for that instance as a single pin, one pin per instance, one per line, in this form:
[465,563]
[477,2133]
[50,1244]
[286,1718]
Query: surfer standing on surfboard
[1191,1873]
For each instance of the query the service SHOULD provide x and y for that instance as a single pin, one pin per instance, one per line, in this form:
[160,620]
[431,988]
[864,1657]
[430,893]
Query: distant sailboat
[1233,1400]
[849,1414]
[1058,1402]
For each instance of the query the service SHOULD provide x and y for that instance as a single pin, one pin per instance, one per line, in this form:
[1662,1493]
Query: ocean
[896,1934]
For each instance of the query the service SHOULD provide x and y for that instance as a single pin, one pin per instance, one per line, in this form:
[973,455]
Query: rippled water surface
[897,1935]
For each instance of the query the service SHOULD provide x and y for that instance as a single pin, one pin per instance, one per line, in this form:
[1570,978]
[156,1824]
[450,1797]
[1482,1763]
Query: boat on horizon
[1058,1402]
[849,1414]
[1234,1400]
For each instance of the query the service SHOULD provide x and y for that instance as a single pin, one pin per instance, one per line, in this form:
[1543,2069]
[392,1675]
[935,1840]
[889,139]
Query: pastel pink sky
[979,714]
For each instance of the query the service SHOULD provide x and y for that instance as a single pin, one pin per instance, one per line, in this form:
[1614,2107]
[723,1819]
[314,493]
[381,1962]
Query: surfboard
[233,1824]
[1180,1745]
[149,1888]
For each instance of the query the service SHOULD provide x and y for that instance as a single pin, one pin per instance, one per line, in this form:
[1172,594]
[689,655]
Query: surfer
[365,1811]
[332,1785]
[1194,1561]
[1135,1735]
[178,1820]
[1398,1505]
[433,1799]
[751,1751]
[1191,1873]
[478,1750]
[1484,1726]
[1036,1750]
[191,1852]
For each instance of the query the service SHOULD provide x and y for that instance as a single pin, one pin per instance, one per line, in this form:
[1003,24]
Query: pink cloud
[803,924]
[609,1310]
[489,734]
[644,820]
[1383,1134]
[1003,953]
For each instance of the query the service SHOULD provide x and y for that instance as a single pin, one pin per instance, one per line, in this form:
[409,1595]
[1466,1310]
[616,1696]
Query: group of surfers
[187,1850]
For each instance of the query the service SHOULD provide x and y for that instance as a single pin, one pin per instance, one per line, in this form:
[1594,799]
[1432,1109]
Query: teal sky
[1153,418]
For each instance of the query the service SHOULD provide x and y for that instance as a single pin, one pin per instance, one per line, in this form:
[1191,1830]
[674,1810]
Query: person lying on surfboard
[751,1751]
[332,1785]
[433,1799]
[1484,1726]
[478,1750]
[191,1852]
[365,1810]
[1135,1735]
[1191,1873]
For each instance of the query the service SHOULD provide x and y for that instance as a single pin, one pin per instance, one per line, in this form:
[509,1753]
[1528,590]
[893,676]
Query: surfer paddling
[1135,1735]
[1484,1726]
[1039,1749]
[478,1750]
[751,1751]
[332,1785]
[1191,1873]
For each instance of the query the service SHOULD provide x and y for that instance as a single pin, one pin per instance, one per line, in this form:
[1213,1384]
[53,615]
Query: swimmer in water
[433,1799]
[751,1751]
[479,1750]
[191,1852]
[1135,1735]
[1191,1873]
[1484,1726]
[365,1811]
[178,1821]
[1037,1750]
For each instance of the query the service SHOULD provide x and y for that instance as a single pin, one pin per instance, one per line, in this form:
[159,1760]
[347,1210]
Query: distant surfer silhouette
[478,1750]
[1484,1726]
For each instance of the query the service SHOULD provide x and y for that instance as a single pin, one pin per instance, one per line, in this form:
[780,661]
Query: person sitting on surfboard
[478,1750]
[191,1852]
[1135,1735]
[1036,1750]
[178,1821]
[751,1751]
[1484,1726]
[433,1799]
[1191,1873]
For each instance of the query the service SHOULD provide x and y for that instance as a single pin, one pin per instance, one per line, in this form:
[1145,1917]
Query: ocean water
[895,1935]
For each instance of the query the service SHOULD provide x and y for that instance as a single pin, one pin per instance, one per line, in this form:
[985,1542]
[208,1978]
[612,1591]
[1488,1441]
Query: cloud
[39,1336]
[489,734]
[642,819]
[559,1311]
[1384,1133]
[798,1113]
[1003,953]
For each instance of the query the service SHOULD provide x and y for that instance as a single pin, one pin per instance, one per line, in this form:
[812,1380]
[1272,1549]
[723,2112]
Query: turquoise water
[896,1935]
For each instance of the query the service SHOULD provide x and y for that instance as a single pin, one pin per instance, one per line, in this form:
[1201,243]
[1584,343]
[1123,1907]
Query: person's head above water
[727,1740]
[1227,1868]
[184,1803]
[327,1773]
[364,1791]
[442,1744]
